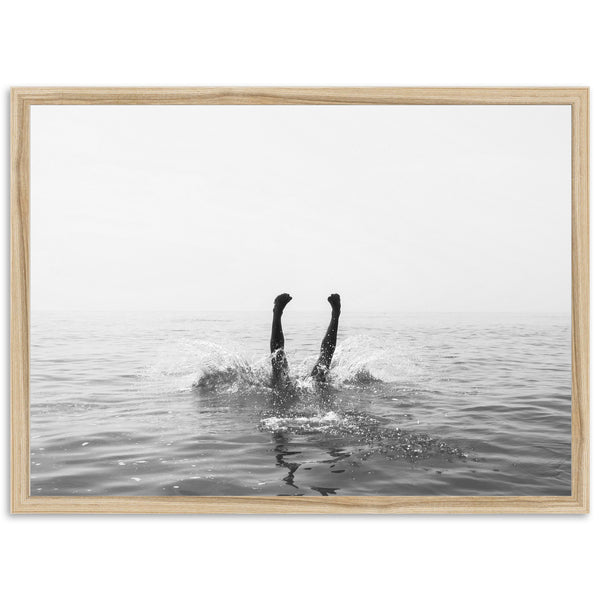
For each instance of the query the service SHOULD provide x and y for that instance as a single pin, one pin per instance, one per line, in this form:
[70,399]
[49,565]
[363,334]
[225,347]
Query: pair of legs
[278,358]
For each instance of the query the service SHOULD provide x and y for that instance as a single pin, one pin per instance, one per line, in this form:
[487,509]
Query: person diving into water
[279,362]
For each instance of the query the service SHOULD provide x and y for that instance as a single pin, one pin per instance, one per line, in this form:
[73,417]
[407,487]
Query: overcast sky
[397,208]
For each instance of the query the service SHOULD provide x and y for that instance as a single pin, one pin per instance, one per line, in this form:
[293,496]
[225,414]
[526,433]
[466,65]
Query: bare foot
[281,302]
[336,303]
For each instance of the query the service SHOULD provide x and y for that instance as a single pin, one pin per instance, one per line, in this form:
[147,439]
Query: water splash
[363,359]
[205,366]
[226,369]
[300,424]
[367,434]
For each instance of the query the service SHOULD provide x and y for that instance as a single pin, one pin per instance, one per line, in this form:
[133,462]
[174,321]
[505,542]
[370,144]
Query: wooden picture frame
[21,101]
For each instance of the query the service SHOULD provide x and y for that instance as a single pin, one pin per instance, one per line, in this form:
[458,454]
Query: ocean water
[417,404]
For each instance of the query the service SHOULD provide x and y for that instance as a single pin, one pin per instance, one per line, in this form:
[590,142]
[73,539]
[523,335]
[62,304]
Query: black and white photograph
[300,300]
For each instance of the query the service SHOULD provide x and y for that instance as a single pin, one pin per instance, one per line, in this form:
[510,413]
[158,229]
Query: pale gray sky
[400,208]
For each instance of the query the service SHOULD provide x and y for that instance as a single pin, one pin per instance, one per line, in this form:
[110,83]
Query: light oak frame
[21,101]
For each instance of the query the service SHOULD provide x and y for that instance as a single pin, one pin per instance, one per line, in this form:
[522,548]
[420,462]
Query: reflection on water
[164,404]
[344,438]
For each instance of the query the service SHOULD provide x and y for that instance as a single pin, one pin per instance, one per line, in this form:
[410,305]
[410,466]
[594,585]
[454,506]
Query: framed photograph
[299,300]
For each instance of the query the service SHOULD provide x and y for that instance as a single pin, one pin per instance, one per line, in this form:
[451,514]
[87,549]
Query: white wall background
[521,42]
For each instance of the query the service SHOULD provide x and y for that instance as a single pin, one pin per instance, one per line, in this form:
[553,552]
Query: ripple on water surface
[422,405]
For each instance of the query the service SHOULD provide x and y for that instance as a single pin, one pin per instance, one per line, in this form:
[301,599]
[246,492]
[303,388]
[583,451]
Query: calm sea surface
[419,404]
